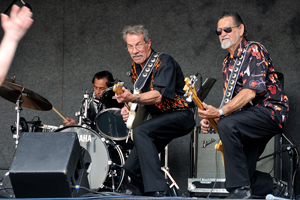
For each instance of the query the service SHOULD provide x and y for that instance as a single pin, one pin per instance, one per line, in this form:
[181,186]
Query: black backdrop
[71,40]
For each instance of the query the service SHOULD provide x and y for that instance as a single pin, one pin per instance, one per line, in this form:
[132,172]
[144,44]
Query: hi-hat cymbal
[12,91]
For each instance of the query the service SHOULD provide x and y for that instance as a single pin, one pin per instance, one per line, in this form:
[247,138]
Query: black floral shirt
[258,73]
[167,78]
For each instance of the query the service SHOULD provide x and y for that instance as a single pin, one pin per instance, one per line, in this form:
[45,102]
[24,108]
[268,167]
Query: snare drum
[110,123]
[100,167]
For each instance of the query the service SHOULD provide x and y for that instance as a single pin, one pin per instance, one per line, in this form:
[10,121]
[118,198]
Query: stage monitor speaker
[48,165]
[210,173]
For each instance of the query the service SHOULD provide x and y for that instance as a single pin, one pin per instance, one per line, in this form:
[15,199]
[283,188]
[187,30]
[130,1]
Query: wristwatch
[221,114]
[137,98]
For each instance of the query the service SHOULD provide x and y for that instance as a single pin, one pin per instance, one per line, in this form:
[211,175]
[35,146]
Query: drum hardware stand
[112,172]
[86,96]
[165,168]
[2,188]
[18,108]
[78,114]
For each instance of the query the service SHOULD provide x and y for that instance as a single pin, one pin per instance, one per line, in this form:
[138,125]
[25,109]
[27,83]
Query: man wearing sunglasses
[162,96]
[255,111]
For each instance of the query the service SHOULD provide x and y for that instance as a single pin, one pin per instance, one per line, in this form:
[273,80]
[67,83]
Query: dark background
[71,40]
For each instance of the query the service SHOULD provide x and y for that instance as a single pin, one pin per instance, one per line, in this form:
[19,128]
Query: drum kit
[101,150]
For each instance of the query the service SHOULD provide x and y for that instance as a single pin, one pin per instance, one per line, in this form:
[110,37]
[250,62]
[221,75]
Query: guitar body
[189,88]
[137,113]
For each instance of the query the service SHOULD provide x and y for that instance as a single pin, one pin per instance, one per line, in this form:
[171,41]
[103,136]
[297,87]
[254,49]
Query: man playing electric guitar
[161,81]
[259,110]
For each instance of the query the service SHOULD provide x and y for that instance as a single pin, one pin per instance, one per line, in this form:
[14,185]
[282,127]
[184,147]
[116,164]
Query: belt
[172,110]
[180,109]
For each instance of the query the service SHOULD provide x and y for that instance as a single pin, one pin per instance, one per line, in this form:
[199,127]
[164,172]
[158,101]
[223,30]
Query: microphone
[272,197]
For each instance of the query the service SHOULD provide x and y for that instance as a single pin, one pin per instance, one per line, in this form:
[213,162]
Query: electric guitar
[137,113]
[190,91]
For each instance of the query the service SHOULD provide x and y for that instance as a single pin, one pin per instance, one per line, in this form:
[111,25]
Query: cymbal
[12,91]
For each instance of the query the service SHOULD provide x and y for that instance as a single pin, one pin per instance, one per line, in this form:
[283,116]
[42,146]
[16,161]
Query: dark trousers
[143,164]
[244,136]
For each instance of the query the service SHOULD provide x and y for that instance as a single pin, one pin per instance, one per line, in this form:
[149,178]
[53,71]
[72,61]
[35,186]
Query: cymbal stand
[3,189]
[165,169]
[86,97]
[81,116]
[18,108]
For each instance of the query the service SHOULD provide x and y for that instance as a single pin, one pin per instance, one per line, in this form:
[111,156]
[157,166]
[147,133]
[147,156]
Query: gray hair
[136,29]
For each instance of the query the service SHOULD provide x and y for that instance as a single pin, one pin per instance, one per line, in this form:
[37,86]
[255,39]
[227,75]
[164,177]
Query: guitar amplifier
[209,171]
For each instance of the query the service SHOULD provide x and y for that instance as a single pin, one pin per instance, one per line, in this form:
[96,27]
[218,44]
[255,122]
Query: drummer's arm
[70,121]
[14,28]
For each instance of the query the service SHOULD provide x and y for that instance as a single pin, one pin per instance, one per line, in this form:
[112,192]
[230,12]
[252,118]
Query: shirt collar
[240,48]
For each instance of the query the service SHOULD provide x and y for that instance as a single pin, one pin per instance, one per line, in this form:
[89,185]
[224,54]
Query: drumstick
[59,114]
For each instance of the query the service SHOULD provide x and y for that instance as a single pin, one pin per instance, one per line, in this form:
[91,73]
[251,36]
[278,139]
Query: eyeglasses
[227,29]
[137,47]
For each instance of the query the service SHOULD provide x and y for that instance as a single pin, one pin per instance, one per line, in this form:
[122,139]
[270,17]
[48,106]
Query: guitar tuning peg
[189,99]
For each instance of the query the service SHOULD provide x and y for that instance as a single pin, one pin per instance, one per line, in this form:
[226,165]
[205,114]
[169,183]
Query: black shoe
[240,193]
[158,194]
[280,188]
[130,189]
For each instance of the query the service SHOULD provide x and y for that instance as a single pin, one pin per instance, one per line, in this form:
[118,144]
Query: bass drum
[103,159]
[110,123]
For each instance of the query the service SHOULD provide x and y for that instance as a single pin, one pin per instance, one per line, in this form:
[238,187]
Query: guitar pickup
[207,142]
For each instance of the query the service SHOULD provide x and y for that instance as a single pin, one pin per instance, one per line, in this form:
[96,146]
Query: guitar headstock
[118,87]
[189,87]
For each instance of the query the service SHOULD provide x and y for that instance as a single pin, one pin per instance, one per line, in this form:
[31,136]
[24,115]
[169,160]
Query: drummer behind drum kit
[103,157]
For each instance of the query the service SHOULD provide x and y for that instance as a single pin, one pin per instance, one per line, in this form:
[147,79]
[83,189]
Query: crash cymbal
[12,91]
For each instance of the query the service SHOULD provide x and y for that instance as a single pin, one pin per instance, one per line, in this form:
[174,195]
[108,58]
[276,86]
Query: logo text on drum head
[85,138]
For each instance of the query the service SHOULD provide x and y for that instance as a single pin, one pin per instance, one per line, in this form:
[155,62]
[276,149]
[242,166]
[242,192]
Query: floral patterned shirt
[257,72]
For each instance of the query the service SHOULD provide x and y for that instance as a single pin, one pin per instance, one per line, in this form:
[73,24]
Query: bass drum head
[110,123]
[95,157]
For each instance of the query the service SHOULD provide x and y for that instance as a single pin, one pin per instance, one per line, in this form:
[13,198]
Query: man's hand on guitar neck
[126,96]
[210,112]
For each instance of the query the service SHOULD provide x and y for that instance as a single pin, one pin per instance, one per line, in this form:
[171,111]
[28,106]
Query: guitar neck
[199,104]
[118,90]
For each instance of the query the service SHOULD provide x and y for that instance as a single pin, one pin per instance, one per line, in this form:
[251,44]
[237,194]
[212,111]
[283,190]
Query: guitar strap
[235,74]
[145,73]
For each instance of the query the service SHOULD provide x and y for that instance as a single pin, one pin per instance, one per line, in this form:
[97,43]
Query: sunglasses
[227,29]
